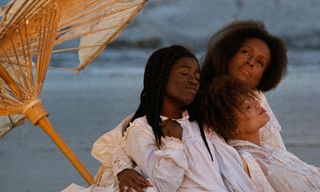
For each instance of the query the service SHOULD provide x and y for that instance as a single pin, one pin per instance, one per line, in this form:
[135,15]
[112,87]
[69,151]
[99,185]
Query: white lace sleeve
[165,167]
[256,174]
[270,133]
[121,161]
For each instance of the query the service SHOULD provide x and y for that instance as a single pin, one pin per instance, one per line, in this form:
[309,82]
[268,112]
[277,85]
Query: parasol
[29,30]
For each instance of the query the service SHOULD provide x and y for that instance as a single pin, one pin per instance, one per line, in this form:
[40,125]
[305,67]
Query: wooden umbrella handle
[46,126]
[37,114]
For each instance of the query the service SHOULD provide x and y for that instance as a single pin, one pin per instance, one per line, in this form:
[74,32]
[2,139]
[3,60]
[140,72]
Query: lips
[262,111]
[192,89]
[244,71]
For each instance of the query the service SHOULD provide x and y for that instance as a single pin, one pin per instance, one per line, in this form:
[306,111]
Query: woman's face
[251,116]
[183,83]
[250,61]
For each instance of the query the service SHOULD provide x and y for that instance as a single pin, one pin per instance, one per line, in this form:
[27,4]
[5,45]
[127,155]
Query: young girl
[233,111]
[164,138]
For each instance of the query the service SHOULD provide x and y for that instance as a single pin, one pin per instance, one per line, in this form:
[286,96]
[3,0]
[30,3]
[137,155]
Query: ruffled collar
[185,116]
[242,143]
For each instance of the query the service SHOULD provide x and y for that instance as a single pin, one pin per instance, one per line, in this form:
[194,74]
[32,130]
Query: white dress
[270,133]
[232,168]
[284,171]
[177,165]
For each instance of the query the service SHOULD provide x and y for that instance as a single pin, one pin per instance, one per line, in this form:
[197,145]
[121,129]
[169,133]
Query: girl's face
[183,83]
[251,117]
[250,61]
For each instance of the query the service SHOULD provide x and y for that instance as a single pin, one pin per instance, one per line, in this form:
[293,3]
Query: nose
[250,61]
[193,79]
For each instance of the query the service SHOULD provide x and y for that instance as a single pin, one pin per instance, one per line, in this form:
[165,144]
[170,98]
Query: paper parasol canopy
[29,31]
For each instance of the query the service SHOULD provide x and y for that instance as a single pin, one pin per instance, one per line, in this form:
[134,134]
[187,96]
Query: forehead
[258,46]
[186,62]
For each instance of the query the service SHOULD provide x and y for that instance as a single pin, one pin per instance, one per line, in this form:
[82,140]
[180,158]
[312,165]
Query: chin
[187,101]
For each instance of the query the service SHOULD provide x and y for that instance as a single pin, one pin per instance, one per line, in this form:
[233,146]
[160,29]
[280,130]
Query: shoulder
[139,126]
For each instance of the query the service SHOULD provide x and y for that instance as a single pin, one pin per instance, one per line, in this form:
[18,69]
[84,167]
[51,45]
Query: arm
[123,169]
[164,166]
[114,161]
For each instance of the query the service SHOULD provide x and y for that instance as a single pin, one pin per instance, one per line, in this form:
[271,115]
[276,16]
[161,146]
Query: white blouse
[270,133]
[113,159]
[178,165]
[284,171]
[231,166]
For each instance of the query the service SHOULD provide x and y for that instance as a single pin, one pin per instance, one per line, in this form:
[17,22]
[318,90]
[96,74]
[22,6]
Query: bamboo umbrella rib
[29,30]
[85,33]
[29,60]
[71,13]
[16,88]
[10,63]
[20,75]
[26,55]
[84,14]
[25,7]
[39,54]
[76,48]
[114,36]
[48,45]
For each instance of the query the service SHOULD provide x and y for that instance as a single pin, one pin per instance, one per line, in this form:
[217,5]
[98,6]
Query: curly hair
[224,44]
[221,102]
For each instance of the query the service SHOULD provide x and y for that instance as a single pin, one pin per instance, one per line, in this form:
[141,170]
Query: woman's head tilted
[230,106]
[171,77]
[246,50]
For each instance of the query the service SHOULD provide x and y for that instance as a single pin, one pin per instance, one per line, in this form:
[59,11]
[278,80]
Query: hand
[171,128]
[131,179]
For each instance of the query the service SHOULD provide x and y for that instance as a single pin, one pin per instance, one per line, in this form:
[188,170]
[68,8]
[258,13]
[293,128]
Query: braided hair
[155,81]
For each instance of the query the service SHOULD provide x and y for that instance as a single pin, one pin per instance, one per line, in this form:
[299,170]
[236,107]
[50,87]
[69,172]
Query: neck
[171,110]
[251,137]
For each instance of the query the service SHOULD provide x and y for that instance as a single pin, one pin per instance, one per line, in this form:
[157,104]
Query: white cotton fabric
[230,165]
[178,165]
[284,171]
[106,148]
[270,133]
[256,174]
[103,150]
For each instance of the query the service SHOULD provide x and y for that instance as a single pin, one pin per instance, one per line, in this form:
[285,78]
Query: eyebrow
[267,60]
[186,67]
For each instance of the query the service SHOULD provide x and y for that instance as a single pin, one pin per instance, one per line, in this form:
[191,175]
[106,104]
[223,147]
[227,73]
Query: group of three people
[177,140]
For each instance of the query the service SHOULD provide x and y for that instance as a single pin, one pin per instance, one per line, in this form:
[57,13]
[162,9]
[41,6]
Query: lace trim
[121,161]
[172,143]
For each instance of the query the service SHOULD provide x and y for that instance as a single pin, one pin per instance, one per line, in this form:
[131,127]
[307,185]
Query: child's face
[183,83]
[252,116]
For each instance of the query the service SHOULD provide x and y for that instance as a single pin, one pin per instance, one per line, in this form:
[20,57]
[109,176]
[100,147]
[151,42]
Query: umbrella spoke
[28,32]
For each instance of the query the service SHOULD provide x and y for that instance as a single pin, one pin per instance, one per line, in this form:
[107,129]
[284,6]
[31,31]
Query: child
[163,140]
[233,111]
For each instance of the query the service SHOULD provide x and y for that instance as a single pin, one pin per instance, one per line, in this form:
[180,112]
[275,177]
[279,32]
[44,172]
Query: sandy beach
[83,107]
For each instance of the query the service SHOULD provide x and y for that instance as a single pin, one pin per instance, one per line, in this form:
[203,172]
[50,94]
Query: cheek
[257,76]
[232,68]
